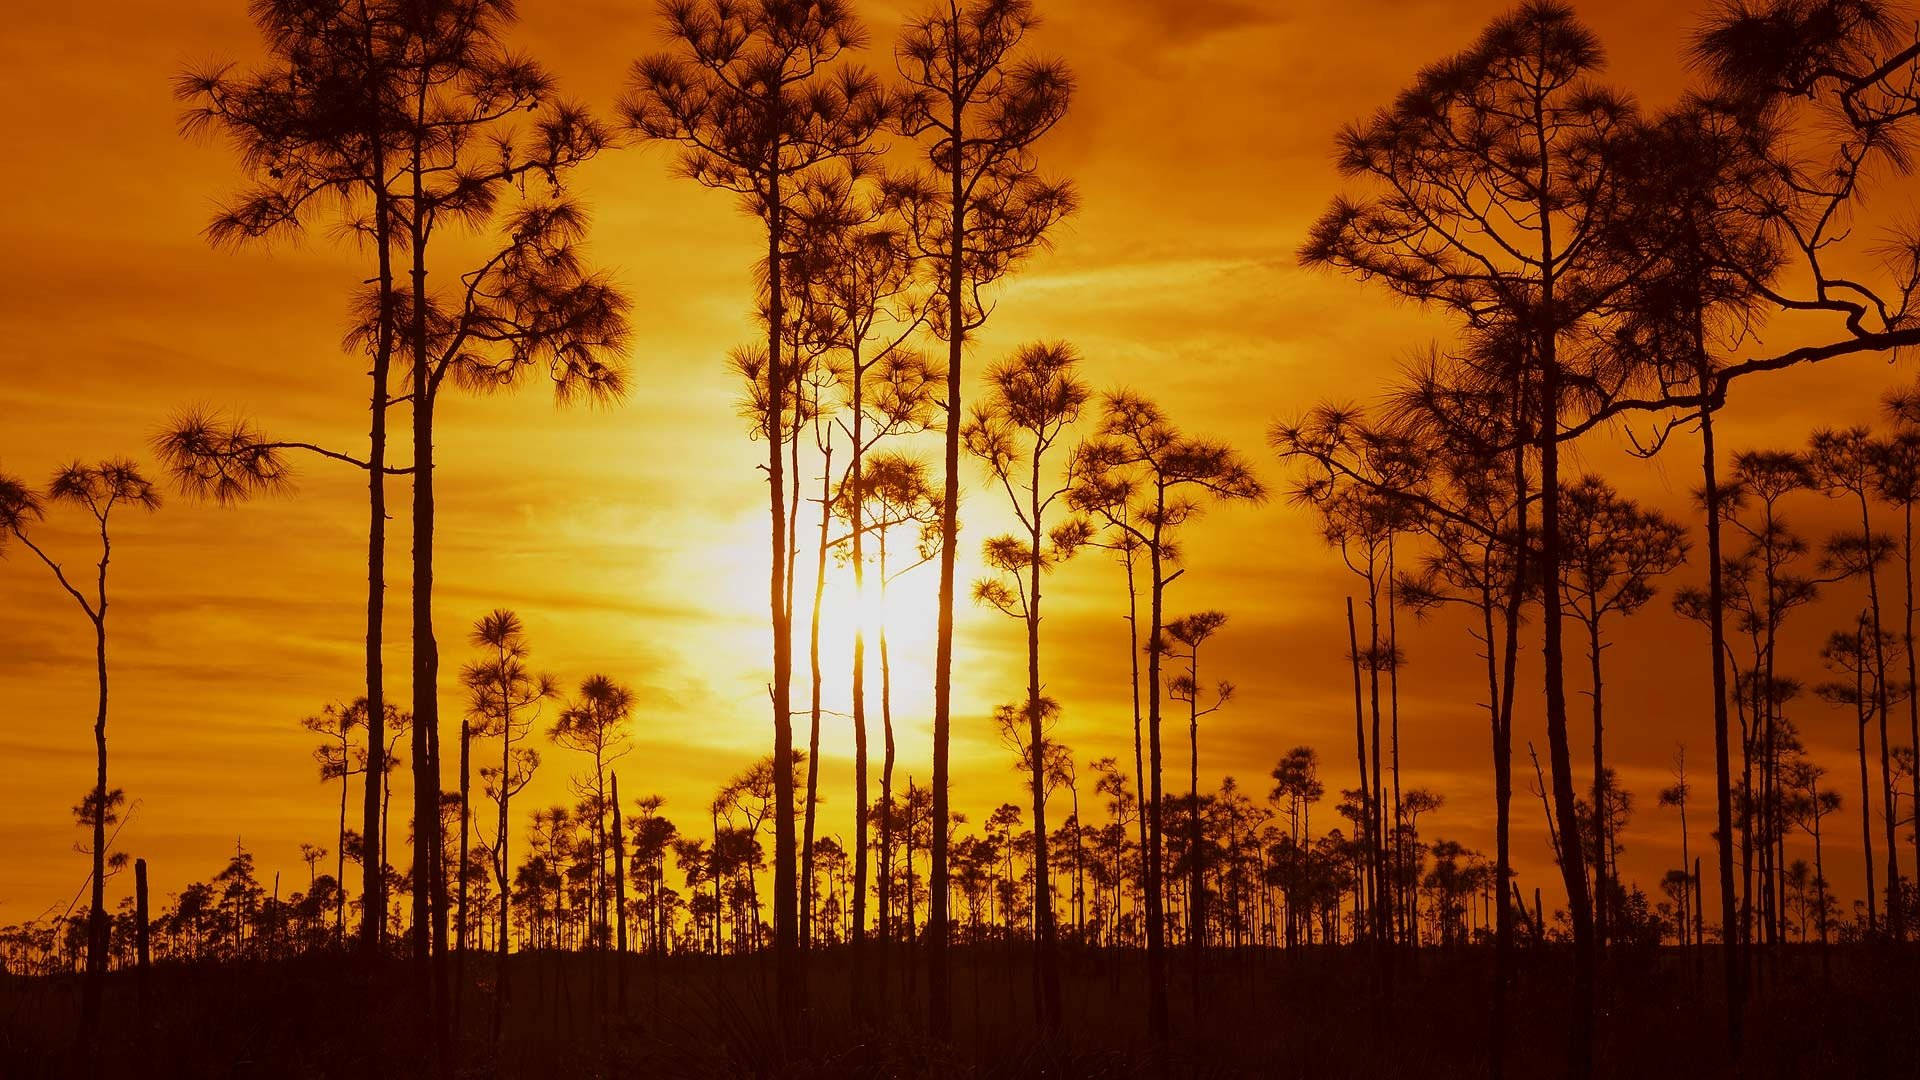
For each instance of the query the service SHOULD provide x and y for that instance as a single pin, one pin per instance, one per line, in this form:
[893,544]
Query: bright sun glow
[737,571]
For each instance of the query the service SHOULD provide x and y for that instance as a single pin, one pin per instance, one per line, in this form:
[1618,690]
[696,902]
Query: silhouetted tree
[1452,449]
[976,105]
[1848,653]
[1614,552]
[319,132]
[1489,182]
[1899,483]
[1127,551]
[894,492]
[1296,787]
[1677,796]
[1844,466]
[858,307]
[336,758]
[1822,98]
[1034,395]
[755,97]
[1141,477]
[1693,179]
[530,303]
[1807,804]
[504,699]
[595,724]
[861,301]
[98,489]
[1360,516]
[1192,631]
[1760,587]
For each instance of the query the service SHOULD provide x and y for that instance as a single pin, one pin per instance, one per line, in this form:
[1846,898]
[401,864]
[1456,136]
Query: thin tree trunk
[1196,877]
[788,975]
[1686,858]
[1772,823]
[1863,715]
[856,506]
[1383,879]
[97,926]
[1895,917]
[1819,874]
[1046,972]
[1580,1030]
[1503,744]
[1733,969]
[373,859]
[429,887]
[503,944]
[885,927]
[1747,727]
[340,858]
[813,737]
[619,900]
[1359,740]
[1913,672]
[1133,659]
[460,882]
[1157,1025]
[142,925]
[1600,889]
[939,1012]
[1409,908]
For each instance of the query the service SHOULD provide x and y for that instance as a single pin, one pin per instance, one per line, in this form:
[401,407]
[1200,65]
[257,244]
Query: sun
[732,578]
[905,610]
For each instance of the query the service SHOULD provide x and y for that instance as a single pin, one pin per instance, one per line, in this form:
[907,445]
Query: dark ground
[1311,1013]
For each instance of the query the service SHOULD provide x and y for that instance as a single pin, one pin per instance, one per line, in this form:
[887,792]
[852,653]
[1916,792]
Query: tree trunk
[1383,878]
[1599,790]
[1863,717]
[1896,919]
[939,1014]
[460,880]
[787,973]
[1580,1030]
[619,900]
[1359,742]
[885,926]
[1133,659]
[1733,969]
[813,737]
[373,886]
[1503,745]
[142,956]
[429,887]
[340,857]
[97,926]
[1046,972]
[1913,673]
[503,944]
[1196,874]
[1157,1026]
[1747,726]
[1410,902]
[856,506]
[1686,861]
[1819,874]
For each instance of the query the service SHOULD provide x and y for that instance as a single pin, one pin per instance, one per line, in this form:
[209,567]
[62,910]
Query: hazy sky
[631,539]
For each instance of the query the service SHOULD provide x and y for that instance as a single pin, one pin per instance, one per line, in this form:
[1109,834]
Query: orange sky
[631,540]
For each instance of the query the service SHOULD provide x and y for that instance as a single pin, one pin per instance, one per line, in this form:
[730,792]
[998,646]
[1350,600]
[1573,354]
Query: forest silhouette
[1612,281]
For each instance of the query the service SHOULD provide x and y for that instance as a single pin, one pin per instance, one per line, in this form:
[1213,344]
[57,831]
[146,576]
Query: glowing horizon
[631,539]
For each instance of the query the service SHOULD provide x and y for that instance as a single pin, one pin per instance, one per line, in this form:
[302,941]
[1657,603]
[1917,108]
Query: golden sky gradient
[631,539]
